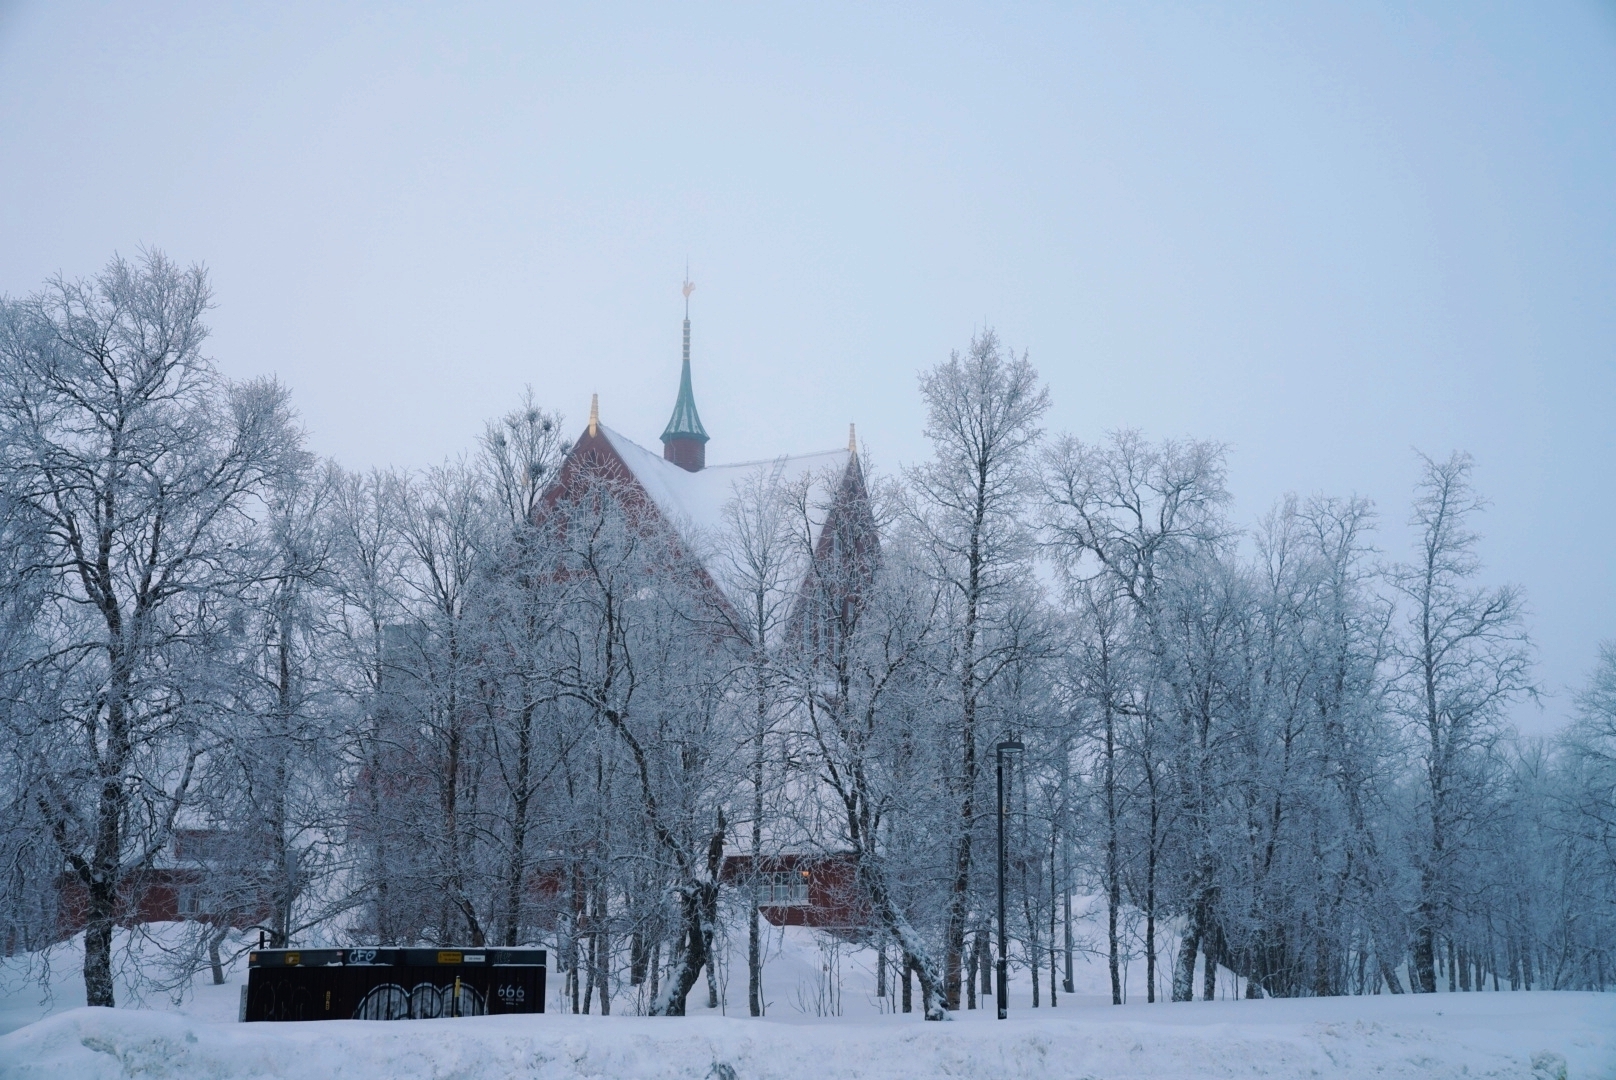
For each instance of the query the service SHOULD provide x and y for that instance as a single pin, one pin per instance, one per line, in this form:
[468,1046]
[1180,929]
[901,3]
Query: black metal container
[391,984]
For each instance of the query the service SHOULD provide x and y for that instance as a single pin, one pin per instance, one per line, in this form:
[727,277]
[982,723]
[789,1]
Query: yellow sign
[449,958]
[293,959]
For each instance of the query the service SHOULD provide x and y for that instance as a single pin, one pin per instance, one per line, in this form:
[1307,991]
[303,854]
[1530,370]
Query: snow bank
[1536,1035]
[824,1022]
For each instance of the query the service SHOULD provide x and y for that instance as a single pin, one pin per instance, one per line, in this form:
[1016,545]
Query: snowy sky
[1324,234]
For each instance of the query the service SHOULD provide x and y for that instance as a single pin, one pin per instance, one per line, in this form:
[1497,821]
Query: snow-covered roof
[694,502]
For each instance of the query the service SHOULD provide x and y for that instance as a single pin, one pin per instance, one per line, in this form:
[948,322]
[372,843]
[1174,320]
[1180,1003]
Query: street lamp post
[1009,748]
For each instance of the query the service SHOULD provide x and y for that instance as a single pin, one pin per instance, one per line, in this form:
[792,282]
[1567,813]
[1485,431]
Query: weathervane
[690,287]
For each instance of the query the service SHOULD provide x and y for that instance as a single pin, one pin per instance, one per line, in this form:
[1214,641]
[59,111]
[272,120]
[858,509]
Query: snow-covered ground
[825,1022]
[1481,1035]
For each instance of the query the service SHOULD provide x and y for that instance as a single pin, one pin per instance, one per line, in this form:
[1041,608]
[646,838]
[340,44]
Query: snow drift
[1537,1035]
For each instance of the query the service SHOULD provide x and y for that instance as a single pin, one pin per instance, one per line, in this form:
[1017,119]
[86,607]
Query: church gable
[685,496]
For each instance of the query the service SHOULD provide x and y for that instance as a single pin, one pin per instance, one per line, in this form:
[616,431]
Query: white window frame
[188,901]
[785,888]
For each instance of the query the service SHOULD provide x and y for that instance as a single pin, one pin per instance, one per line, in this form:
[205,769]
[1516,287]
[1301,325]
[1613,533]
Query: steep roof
[693,502]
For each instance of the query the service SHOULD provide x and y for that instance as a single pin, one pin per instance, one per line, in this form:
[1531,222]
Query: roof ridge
[726,464]
[778,457]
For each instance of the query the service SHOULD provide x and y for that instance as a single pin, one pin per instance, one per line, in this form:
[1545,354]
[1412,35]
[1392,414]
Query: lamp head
[1010,747]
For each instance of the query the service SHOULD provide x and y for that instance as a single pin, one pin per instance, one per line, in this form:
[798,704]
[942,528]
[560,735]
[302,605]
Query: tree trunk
[699,915]
[1034,951]
[915,958]
[517,882]
[656,967]
[98,953]
[959,900]
[637,954]
[1422,972]
[1113,867]
[754,960]
[754,943]
[102,888]
[973,957]
[215,963]
[589,985]
[692,955]
[1054,914]
[1184,973]
[575,933]
[712,973]
[1150,896]
[103,874]
[1066,905]
[602,942]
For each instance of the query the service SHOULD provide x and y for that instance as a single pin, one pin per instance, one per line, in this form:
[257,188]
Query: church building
[688,496]
[684,495]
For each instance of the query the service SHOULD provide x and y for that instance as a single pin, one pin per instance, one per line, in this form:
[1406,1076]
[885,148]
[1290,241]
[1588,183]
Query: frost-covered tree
[142,467]
[871,737]
[1147,521]
[1463,655]
[517,606]
[628,654]
[272,779]
[760,558]
[1590,745]
[982,414]
[446,531]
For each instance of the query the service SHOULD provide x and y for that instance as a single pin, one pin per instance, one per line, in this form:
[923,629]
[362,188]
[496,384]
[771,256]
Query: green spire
[685,422]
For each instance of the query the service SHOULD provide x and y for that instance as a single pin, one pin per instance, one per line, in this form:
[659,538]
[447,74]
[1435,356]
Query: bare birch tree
[1145,519]
[760,560]
[867,708]
[142,465]
[447,529]
[1464,655]
[982,414]
[633,652]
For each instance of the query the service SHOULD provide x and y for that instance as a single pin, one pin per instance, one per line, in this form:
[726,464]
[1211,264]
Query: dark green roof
[685,422]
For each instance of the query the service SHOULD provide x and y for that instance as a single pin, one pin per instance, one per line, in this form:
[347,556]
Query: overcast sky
[1323,234]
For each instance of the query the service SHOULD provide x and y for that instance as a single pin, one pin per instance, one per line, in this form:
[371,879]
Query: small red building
[803,889]
[185,883]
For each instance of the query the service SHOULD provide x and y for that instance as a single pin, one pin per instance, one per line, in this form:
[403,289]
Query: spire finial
[852,440]
[689,287]
[594,414]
